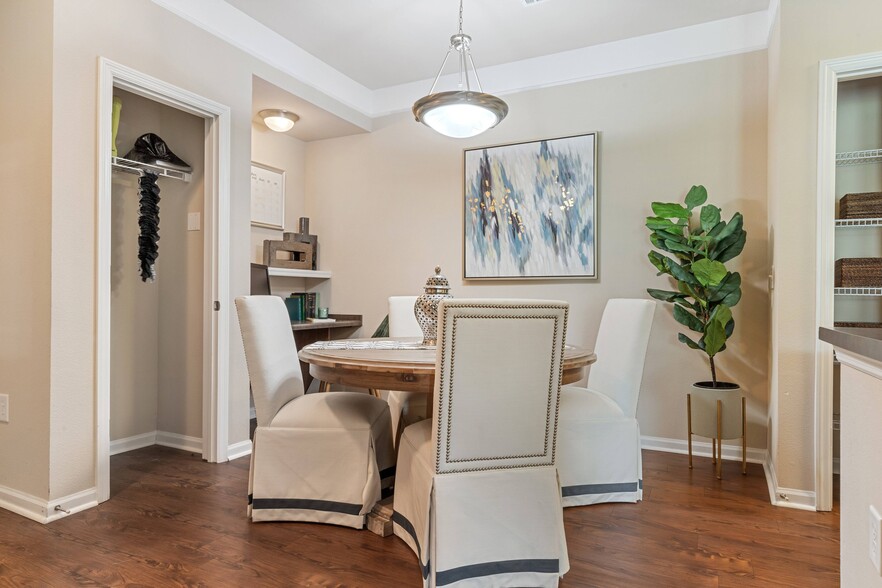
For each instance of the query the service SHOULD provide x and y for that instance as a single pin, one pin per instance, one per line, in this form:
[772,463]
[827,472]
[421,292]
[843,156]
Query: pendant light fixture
[460,113]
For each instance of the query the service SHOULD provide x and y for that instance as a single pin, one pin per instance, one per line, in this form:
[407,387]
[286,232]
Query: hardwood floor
[174,520]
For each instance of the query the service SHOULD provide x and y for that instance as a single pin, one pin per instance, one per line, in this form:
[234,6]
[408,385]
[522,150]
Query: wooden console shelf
[306,332]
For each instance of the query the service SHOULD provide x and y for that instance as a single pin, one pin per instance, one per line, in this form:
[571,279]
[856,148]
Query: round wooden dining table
[366,364]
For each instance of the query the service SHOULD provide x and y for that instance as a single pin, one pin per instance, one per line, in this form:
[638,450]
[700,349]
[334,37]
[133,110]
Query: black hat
[151,149]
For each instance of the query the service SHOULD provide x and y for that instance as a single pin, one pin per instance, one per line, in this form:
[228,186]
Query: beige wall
[861,485]
[166,47]
[810,31]
[287,153]
[387,209]
[25,225]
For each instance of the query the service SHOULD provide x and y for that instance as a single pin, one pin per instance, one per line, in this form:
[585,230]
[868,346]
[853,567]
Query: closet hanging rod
[136,167]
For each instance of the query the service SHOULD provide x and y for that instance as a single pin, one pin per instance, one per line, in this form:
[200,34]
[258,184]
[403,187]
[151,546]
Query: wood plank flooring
[174,520]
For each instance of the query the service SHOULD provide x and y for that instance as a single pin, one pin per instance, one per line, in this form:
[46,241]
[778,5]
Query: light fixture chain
[460,17]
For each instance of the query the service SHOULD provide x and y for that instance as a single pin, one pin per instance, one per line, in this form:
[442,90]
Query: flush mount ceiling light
[278,120]
[460,113]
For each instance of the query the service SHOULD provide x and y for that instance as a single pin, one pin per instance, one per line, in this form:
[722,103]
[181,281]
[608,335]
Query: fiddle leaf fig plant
[694,251]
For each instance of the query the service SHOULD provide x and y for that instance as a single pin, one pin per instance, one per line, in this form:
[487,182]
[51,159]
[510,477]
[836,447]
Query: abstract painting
[530,210]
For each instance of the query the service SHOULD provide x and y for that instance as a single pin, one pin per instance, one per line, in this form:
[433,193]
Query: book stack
[302,305]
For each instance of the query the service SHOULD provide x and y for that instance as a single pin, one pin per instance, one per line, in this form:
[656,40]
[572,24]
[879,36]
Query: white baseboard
[701,448]
[192,444]
[787,497]
[43,511]
[132,443]
[164,438]
[237,450]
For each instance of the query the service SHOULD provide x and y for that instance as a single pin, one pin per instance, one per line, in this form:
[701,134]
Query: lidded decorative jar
[426,308]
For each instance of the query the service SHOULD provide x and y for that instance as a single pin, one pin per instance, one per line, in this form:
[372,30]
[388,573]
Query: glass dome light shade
[277,120]
[460,114]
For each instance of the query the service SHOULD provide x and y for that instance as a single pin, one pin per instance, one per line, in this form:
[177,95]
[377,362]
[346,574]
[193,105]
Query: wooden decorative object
[859,272]
[305,237]
[862,205]
[301,254]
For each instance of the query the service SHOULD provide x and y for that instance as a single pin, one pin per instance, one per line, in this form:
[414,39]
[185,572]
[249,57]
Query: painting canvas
[531,210]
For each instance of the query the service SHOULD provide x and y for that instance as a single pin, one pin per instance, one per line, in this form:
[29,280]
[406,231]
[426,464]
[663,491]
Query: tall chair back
[270,353]
[497,384]
[402,320]
[621,351]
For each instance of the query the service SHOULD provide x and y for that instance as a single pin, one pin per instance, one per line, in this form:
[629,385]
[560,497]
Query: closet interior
[157,349]
[858,247]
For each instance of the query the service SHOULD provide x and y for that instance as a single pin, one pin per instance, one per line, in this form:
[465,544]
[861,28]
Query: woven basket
[857,325]
[859,272]
[863,205]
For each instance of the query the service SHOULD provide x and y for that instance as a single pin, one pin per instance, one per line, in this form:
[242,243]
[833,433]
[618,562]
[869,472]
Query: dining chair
[599,437]
[316,457]
[476,496]
[406,407]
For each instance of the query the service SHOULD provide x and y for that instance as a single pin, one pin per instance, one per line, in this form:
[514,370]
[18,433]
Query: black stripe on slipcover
[405,524]
[599,488]
[306,504]
[250,498]
[513,566]
[387,473]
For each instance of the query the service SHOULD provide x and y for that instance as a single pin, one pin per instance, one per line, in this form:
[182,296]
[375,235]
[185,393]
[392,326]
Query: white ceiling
[382,43]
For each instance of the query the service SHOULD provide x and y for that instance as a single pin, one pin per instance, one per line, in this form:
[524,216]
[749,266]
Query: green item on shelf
[117,107]
[295,308]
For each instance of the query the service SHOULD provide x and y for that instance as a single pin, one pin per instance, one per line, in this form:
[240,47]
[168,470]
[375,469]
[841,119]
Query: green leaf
[669,210]
[673,245]
[655,223]
[714,338]
[732,227]
[730,328]
[658,260]
[687,319]
[728,285]
[715,232]
[709,272]
[684,339]
[722,314]
[696,197]
[664,295]
[734,249]
[710,217]
[679,272]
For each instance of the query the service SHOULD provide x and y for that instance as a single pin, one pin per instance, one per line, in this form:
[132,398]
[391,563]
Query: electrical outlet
[4,408]
[876,539]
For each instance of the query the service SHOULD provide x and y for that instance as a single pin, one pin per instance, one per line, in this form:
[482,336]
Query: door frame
[831,73]
[216,272]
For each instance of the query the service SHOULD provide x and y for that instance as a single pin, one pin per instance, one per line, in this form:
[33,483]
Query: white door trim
[830,74]
[217,259]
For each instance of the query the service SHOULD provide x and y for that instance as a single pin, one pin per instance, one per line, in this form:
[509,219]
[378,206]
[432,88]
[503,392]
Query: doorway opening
[161,351]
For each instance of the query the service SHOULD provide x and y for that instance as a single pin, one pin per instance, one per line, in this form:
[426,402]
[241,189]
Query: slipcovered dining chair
[477,496]
[599,437]
[406,407]
[316,457]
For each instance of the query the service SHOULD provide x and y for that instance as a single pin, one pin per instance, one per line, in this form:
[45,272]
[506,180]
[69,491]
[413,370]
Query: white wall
[25,246]
[387,208]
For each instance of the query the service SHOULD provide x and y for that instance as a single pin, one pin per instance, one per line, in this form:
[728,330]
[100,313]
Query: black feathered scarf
[148,220]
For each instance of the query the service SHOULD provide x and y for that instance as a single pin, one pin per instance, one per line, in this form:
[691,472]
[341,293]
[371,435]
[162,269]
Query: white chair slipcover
[316,457]
[406,407]
[599,437]
[476,495]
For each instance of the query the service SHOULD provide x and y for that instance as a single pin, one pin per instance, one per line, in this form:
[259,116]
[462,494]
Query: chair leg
[324,387]
[689,424]
[743,436]
[720,439]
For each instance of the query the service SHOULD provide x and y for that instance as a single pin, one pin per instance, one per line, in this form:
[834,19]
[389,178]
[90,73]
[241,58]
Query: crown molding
[730,36]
